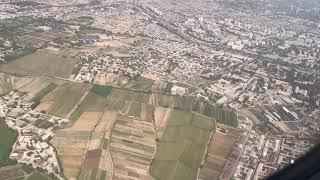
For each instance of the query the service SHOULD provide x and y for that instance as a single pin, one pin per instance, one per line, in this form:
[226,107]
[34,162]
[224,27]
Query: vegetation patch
[221,114]
[140,84]
[37,98]
[92,102]
[101,90]
[38,176]
[7,139]
[181,148]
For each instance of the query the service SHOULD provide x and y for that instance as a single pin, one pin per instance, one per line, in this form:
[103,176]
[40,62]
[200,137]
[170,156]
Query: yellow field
[132,148]
[72,143]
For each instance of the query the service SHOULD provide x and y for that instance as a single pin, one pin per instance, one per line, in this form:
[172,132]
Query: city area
[150,89]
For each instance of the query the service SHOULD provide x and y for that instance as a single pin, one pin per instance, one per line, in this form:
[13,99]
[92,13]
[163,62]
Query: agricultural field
[22,172]
[12,172]
[221,145]
[71,143]
[111,79]
[160,119]
[39,176]
[159,86]
[101,90]
[33,85]
[221,114]
[41,63]
[132,147]
[182,146]
[224,116]
[91,164]
[138,110]
[63,99]
[140,84]
[168,101]
[7,139]
[43,92]
[91,103]
[96,159]
[98,162]
[124,134]
[117,98]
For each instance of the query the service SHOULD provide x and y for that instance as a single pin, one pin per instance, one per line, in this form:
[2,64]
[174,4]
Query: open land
[42,63]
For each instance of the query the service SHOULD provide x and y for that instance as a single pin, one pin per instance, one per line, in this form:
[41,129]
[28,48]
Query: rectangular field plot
[117,98]
[140,84]
[219,150]
[72,143]
[182,146]
[91,103]
[91,165]
[63,99]
[221,114]
[142,111]
[132,148]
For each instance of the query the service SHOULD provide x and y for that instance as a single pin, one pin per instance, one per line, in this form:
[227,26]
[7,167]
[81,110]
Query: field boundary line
[78,104]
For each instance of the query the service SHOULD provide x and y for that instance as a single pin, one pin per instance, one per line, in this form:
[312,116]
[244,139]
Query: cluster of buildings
[263,155]
[35,131]
[101,65]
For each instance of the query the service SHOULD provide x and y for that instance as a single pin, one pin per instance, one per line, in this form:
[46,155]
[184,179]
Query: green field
[110,98]
[91,103]
[182,146]
[117,98]
[7,139]
[22,172]
[12,172]
[103,175]
[101,90]
[221,114]
[38,176]
[140,84]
